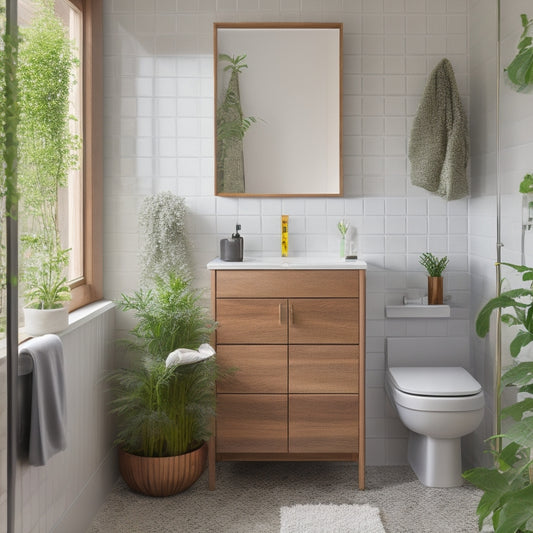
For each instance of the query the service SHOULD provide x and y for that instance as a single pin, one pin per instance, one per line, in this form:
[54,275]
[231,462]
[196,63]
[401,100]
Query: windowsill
[76,319]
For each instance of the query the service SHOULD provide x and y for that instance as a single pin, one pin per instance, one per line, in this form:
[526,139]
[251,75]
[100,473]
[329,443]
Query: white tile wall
[63,495]
[158,136]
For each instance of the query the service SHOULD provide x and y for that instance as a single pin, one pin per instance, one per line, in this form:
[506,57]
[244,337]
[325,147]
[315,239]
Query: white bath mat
[330,519]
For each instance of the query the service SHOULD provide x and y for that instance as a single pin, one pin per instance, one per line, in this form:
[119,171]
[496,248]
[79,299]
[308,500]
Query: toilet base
[436,462]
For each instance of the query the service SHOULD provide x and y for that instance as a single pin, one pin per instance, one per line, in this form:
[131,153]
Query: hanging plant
[520,70]
[165,248]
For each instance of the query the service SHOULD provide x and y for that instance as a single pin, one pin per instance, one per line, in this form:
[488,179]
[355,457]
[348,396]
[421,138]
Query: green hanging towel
[439,146]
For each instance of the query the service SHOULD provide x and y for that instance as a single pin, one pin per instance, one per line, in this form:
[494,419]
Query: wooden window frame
[90,287]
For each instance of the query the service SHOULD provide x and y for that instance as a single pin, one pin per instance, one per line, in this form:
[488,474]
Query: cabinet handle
[291,314]
[280,314]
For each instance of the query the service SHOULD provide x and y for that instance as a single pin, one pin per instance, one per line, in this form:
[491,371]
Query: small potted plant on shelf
[508,486]
[434,267]
[48,152]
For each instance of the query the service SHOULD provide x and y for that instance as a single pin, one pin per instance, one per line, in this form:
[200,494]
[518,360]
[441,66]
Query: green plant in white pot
[48,151]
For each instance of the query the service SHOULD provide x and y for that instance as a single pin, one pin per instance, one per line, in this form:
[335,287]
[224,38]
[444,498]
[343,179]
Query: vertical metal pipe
[12,288]
[498,349]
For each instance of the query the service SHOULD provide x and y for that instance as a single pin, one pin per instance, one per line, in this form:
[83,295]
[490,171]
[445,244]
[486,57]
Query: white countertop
[281,263]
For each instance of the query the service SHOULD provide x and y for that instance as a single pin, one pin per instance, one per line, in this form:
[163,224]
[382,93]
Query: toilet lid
[434,381]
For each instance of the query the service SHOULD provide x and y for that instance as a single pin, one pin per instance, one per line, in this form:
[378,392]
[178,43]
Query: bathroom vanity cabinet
[294,339]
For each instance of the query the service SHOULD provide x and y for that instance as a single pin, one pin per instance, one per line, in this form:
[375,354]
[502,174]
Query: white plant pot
[42,321]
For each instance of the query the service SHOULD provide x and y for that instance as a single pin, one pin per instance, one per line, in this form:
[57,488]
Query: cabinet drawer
[287,283]
[251,423]
[322,283]
[324,369]
[323,423]
[324,321]
[257,369]
[246,283]
[251,321]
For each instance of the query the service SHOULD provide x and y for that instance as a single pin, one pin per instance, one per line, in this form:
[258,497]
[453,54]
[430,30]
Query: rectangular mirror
[278,109]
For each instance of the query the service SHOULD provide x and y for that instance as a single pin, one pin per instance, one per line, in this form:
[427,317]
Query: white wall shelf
[417,311]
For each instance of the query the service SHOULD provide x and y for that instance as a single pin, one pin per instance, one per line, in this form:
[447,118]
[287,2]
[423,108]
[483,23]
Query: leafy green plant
[48,151]
[526,185]
[434,266]
[508,486]
[343,226]
[163,411]
[169,316]
[520,70]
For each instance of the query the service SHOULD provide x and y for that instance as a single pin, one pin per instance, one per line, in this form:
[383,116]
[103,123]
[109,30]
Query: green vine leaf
[520,70]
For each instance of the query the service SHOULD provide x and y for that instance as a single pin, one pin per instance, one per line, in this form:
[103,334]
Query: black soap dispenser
[232,249]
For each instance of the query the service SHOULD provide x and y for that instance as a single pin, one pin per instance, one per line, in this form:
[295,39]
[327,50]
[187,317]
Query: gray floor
[249,495]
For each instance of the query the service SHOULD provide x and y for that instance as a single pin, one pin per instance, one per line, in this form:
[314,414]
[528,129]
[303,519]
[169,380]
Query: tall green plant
[48,151]
[9,116]
[165,411]
[508,487]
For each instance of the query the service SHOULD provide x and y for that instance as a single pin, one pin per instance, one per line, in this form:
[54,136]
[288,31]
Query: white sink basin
[296,263]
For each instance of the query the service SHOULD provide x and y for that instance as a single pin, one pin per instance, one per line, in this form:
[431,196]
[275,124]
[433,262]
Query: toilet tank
[427,351]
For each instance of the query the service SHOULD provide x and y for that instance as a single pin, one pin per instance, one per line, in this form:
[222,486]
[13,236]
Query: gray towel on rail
[439,146]
[48,403]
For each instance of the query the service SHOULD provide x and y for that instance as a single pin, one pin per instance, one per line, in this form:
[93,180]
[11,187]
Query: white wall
[483,33]
[159,136]
[64,495]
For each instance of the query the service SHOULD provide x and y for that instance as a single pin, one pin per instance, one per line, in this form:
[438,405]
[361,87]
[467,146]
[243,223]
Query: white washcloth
[184,356]
[48,401]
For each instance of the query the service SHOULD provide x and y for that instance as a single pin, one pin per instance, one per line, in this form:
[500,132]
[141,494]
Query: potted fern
[165,400]
[508,486]
[164,404]
[434,267]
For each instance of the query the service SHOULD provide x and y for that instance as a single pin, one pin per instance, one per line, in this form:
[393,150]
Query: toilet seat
[430,380]
[434,381]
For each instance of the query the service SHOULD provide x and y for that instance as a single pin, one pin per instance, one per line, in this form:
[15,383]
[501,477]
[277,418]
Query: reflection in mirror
[278,110]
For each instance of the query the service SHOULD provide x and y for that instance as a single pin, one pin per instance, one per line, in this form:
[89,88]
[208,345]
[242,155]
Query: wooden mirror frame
[323,160]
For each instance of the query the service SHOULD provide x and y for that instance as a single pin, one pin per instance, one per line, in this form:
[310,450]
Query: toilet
[437,400]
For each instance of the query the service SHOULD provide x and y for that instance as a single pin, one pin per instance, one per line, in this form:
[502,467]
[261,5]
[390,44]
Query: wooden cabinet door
[324,321]
[324,368]
[251,321]
[253,369]
[323,423]
[251,423]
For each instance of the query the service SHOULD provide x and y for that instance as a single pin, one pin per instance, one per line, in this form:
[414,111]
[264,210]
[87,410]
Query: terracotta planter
[435,290]
[162,476]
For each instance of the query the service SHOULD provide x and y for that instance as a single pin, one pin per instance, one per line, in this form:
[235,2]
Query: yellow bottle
[284,235]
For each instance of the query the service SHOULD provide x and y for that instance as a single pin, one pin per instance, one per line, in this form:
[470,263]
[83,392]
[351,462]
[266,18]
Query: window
[80,204]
